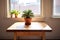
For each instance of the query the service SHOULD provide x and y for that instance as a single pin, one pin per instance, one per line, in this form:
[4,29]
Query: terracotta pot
[28,21]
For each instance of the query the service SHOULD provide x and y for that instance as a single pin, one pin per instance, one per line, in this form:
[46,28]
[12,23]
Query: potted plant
[15,12]
[28,14]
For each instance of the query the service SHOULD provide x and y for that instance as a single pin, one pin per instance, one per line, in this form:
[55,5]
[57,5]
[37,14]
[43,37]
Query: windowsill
[33,19]
[55,16]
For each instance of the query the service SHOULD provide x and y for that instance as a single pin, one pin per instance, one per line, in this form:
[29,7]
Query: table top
[35,26]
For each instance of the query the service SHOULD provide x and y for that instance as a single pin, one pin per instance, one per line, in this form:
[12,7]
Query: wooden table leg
[43,35]
[14,35]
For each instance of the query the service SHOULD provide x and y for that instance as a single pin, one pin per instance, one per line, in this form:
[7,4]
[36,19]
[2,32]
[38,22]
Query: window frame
[8,9]
[54,16]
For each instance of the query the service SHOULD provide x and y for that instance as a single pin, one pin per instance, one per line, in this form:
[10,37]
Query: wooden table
[35,29]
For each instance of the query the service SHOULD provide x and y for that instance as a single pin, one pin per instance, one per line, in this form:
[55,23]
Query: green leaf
[27,13]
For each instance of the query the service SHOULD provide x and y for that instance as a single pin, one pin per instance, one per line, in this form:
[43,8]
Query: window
[22,5]
[56,8]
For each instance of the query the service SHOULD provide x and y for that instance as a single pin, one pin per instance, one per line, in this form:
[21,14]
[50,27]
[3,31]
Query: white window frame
[54,14]
[8,9]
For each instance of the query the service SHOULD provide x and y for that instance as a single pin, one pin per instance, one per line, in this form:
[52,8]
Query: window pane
[22,5]
[56,8]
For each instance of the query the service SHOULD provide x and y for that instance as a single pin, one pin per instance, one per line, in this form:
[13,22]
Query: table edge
[28,30]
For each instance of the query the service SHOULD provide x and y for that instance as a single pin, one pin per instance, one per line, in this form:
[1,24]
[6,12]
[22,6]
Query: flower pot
[28,21]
